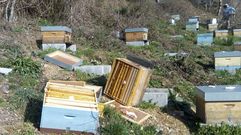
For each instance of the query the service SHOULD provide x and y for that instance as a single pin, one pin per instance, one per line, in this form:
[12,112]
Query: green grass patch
[147,105]
[114,124]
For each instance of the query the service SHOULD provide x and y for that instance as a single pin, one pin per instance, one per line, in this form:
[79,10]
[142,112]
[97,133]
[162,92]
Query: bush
[222,129]
[26,66]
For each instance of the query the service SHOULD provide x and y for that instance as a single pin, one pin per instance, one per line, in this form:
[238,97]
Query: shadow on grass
[33,111]
[182,111]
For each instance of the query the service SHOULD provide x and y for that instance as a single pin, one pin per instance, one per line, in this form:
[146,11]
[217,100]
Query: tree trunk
[11,16]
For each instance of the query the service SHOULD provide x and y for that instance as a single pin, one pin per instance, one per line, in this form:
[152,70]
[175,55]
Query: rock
[3,131]
[5,87]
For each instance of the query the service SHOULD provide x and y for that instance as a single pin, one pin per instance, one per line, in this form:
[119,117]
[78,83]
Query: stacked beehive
[212,24]
[70,106]
[192,24]
[136,36]
[55,37]
[127,82]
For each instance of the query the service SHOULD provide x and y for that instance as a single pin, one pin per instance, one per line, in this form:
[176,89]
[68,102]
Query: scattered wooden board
[129,113]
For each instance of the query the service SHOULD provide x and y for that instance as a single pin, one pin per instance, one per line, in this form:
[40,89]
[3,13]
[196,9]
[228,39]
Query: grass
[114,124]
[147,105]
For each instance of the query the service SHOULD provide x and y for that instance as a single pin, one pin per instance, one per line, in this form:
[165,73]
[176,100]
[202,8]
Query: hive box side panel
[217,112]
[141,84]
[69,119]
[135,36]
[228,61]
[53,37]
[200,108]
[59,63]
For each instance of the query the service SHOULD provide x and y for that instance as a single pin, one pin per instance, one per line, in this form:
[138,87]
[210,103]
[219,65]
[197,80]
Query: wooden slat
[126,79]
[65,95]
[128,84]
[122,78]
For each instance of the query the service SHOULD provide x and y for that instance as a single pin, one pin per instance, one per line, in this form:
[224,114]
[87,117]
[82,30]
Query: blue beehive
[205,39]
[70,107]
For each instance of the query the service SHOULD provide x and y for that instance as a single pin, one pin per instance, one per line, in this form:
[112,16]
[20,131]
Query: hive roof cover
[56,28]
[136,30]
[220,92]
[227,54]
[205,34]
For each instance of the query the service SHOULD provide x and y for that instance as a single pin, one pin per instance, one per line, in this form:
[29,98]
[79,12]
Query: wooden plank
[110,79]
[141,116]
[126,80]
[74,83]
[129,84]
[57,94]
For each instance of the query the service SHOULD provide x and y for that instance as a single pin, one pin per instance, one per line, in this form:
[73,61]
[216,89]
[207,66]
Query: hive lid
[221,31]
[220,92]
[227,54]
[236,30]
[56,28]
[205,34]
[136,30]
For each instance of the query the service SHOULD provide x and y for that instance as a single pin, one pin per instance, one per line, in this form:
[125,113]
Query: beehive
[237,32]
[127,82]
[205,39]
[63,60]
[212,27]
[237,46]
[136,34]
[192,26]
[221,34]
[56,34]
[70,106]
[227,60]
[216,104]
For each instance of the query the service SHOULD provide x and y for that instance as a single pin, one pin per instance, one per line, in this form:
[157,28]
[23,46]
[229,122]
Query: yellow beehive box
[56,34]
[136,34]
[127,82]
[237,32]
[227,60]
[213,109]
[221,33]
[212,27]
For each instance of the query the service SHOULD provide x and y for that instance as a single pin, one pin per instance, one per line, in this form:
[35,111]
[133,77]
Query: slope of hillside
[94,25]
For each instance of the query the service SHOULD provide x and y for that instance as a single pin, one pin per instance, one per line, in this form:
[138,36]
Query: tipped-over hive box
[63,60]
[70,106]
[127,82]
[221,103]
[56,34]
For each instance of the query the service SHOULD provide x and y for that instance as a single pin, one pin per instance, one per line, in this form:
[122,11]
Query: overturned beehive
[70,107]
[127,82]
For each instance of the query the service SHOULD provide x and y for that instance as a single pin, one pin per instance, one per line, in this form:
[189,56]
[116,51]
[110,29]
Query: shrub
[222,129]
[26,66]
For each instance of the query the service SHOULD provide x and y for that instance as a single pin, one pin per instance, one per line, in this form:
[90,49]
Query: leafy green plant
[26,66]
[222,129]
[147,105]
[44,22]
[45,52]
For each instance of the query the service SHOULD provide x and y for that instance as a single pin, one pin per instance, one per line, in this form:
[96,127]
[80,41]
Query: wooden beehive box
[216,104]
[205,39]
[212,27]
[227,60]
[63,60]
[56,34]
[136,34]
[70,106]
[237,46]
[221,33]
[127,82]
[237,32]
